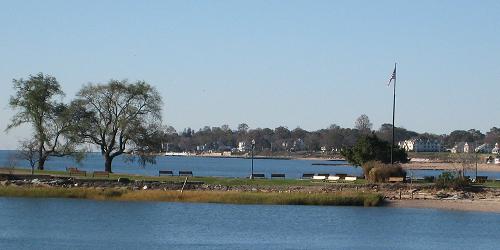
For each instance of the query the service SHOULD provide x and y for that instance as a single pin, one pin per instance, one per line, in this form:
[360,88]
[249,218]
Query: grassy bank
[230,197]
[226,181]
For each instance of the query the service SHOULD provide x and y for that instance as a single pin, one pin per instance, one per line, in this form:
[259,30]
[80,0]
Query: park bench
[481,179]
[333,178]
[278,176]
[76,171]
[307,176]
[396,179]
[319,178]
[185,173]
[100,174]
[429,178]
[166,172]
[342,176]
[259,176]
[350,178]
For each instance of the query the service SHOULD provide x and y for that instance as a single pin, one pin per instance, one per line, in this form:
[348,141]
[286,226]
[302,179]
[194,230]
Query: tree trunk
[41,163]
[107,163]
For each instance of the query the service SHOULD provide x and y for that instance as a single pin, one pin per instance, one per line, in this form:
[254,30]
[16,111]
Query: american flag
[393,76]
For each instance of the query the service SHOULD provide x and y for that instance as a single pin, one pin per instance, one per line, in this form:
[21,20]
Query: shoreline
[20,183]
[448,166]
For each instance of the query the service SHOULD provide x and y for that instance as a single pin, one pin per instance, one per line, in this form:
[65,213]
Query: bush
[449,180]
[369,166]
[371,148]
[379,172]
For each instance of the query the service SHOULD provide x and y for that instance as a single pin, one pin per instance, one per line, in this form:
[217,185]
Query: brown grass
[228,197]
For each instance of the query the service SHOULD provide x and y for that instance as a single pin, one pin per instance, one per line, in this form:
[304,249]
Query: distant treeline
[281,138]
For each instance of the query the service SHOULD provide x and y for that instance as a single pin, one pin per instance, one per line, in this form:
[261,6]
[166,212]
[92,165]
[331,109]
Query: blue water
[84,224]
[202,166]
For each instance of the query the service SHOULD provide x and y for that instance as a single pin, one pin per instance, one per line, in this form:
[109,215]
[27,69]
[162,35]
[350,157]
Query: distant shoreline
[262,157]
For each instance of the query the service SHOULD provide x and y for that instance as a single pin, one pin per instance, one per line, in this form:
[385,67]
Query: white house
[420,145]
[468,148]
[458,148]
[495,150]
[242,146]
[484,148]
[463,147]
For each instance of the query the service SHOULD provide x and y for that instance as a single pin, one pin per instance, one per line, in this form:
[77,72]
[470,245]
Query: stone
[123,180]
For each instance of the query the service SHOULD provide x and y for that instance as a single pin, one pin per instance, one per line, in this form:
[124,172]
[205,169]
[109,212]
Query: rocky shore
[391,191]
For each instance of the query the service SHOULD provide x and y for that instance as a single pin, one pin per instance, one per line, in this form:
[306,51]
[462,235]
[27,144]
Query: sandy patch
[451,166]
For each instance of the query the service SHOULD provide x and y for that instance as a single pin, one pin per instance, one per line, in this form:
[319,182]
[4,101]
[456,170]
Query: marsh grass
[229,197]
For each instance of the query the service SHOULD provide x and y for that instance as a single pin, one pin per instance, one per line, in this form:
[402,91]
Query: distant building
[468,148]
[242,146]
[201,148]
[298,145]
[463,147]
[495,150]
[484,148]
[421,145]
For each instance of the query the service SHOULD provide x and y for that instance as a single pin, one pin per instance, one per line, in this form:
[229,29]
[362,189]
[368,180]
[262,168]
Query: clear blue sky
[268,63]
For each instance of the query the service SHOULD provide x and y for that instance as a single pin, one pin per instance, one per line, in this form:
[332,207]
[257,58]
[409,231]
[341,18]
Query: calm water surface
[83,224]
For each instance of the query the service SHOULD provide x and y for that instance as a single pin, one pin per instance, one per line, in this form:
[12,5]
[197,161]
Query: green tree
[371,148]
[115,117]
[36,105]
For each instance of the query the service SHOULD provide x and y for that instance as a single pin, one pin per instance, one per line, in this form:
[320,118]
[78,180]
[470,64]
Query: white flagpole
[393,112]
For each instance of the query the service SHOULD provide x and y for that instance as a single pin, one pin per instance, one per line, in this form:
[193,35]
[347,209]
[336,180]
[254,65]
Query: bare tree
[363,124]
[28,150]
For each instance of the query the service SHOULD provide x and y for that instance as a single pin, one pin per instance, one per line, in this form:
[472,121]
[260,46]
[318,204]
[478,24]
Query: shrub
[449,180]
[379,172]
[369,166]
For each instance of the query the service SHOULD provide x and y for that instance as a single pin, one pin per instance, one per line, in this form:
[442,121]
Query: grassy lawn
[492,184]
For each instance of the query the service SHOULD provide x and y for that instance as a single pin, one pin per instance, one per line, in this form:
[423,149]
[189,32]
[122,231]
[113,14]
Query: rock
[123,180]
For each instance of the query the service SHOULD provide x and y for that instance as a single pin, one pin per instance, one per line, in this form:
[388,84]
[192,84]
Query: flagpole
[393,113]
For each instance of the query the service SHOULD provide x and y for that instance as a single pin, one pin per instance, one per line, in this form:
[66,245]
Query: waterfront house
[484,148]
[495,150]
[462,147]
[421,145]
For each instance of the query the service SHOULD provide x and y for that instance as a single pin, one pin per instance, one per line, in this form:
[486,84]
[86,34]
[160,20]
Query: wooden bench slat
[307,176]
[165,172]
[185,173]
[275,175]
[75,171]
[260,176]
[396,179]
[100,173]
